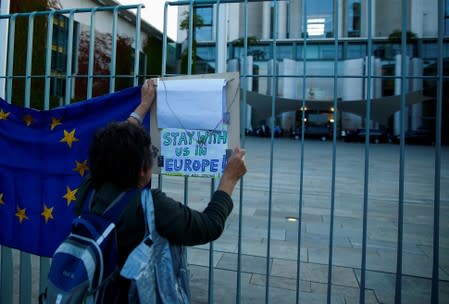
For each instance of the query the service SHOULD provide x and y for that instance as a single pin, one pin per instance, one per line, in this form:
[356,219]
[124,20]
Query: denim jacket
[156,268]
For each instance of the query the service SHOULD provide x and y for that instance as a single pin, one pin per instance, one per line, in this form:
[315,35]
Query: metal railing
[25,288]
[274,77]
[27,272]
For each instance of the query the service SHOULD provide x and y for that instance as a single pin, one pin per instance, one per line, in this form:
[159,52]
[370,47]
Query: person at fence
[153,224]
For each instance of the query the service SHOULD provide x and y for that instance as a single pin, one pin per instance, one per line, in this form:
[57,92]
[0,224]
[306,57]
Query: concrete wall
[425,16]
[388,17]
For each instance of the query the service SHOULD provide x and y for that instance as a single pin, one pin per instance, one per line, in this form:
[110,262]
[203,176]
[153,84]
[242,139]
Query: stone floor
[275,251]
[259,210]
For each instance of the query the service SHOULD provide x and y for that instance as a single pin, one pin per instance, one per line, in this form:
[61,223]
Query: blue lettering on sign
[187,165]
[169,165]
[213,165]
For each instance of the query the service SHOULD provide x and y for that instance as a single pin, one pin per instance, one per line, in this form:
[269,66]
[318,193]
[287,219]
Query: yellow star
[47,213]
[21,214]
[27,119]
[2,202]
[54,122]
[70,195]
[69,137]
[81,167]
[3,115]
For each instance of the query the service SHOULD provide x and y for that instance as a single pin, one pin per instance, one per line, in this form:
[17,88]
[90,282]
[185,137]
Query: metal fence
[32,271]
[27,284]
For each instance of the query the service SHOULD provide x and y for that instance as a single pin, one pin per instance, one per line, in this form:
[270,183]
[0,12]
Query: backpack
[157,269]
[84,267]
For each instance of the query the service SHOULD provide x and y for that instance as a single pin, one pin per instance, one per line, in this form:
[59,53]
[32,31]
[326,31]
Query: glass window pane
[353,15]
[319,18]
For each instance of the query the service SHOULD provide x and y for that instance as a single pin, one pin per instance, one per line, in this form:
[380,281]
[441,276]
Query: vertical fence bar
[137,46]
[68,72]
[190,39]
[43,261]
[25,278]
[48,51]
[113,51]
[10,64]
[7,273]
[164,64]
[334,154]
[90,69]
[438,126]
[398,285]
[25,258]
[245,91]
[210,292]
[273,113]
[366,168]
[29,60]
[164,41]
[301,173]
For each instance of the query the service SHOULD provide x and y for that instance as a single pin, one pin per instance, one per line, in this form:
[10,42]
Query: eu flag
[43,157]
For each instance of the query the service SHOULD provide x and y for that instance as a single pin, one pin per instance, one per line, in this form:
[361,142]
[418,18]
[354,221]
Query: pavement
[275,250]
[269,245]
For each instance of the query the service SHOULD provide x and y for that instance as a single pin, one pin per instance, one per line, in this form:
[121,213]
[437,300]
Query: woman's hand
[148,93]
[235,169]
[147,97]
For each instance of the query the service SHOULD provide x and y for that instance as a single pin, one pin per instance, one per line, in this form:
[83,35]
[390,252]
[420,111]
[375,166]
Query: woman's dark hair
[117,153]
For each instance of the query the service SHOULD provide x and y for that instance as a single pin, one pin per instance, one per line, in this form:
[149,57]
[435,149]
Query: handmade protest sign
[194,123]
[193,152]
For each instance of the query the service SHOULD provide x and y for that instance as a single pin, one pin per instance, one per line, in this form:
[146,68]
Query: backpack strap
[115,208]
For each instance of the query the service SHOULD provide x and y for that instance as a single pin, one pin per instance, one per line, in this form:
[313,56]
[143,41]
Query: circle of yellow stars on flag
[80,167]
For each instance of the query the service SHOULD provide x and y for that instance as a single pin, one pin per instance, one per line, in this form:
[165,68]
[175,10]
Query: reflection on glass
[319,18]
[353,18]
[204,32]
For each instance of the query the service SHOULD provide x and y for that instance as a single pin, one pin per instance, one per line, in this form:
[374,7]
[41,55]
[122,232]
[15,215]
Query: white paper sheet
[191,103]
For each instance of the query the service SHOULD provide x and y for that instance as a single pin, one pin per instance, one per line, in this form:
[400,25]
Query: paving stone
[350,294]
[200,257]
[347,257]
[281,282]
[249,263]
[314,272]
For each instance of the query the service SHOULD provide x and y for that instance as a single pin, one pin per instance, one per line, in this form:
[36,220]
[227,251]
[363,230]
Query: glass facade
[204,33]
[353,16]
[319,19]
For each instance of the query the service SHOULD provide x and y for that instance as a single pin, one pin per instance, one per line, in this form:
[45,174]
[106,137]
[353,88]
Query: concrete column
[378,81]
[352,89]
[263,81]
[233,12]
[397,91]
[295,18]
[249,70]
[221,38]
[289,84]
[266,23]
[417,13]
[282,20]
[4,9]
[416,85]
[341,19]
